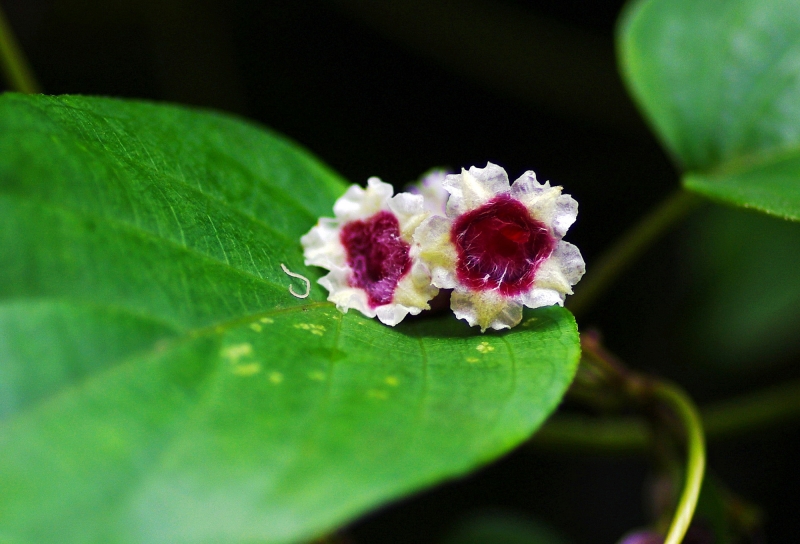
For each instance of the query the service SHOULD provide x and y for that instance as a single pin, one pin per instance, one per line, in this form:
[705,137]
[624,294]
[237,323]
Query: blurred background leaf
[742,307]
[720,82]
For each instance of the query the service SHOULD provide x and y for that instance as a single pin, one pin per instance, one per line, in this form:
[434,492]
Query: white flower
[499,247]
[431,189]
[370,253]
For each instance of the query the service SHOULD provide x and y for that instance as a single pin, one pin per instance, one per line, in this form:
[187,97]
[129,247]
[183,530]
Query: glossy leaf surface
[720,83]
[772,186]
[158,383]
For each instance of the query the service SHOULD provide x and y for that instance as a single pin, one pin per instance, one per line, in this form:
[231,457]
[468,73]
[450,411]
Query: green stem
[752,411]
[686,411]
[615,435]
[720,420]
[14,66]
[627,249]
[601,368]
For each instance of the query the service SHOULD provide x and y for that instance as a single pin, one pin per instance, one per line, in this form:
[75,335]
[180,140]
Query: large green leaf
[720,82]
[771,185]
[158,383]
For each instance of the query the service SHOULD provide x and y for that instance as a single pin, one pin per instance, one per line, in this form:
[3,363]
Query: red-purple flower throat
[500,246]
[377,255]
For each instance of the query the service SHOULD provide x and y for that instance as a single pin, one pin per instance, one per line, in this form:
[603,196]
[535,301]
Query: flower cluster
[498,246]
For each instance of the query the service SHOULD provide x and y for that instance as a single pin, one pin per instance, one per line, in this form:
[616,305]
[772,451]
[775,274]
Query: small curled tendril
[299,276]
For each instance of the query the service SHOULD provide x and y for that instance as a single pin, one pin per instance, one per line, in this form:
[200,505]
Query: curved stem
[628,248]
[12,61]
[593,434]
[752,411]
[684,408]
[651,396]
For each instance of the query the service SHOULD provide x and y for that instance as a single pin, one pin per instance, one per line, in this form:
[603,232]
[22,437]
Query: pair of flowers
[498,246]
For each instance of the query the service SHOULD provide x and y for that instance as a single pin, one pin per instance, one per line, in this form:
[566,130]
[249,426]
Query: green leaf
[158,383]
[719,81]
[772,186]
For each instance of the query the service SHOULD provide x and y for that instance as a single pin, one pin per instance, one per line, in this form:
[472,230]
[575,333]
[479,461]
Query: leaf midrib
[204,196]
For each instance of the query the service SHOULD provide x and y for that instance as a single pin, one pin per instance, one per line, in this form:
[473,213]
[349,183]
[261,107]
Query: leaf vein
[140,232]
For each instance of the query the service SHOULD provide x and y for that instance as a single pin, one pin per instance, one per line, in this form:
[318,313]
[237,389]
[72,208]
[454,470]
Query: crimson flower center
[500,246]
[377,255]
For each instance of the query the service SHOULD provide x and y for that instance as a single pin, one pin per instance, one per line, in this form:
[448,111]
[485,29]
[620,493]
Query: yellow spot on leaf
[255,326]
[530,321]
[392,380]
[275,377]
[484,347]
[472,359]
[237,351]
[267,320]
[318,330]
[247,370]
[377,394]
[317,375]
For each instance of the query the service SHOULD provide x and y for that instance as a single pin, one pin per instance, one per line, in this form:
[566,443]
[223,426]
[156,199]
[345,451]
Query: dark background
[393,89]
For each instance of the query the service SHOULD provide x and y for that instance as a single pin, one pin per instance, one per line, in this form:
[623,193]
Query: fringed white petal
[550,275]
[415,289]
[344,296]
[474,187]
[546,203]
[538,297]
[413,292]
[565,212]
[563,269]
[321,246]
[571,261]
[392,314]
[486,309]
[555,277]
[527,188]
[436,250]
[410,212]
[412,295]
[431,189]
[358,203]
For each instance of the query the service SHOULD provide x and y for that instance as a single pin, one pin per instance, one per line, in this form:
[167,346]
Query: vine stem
[665,403]
[628,248]
[13,62]
[686,411]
